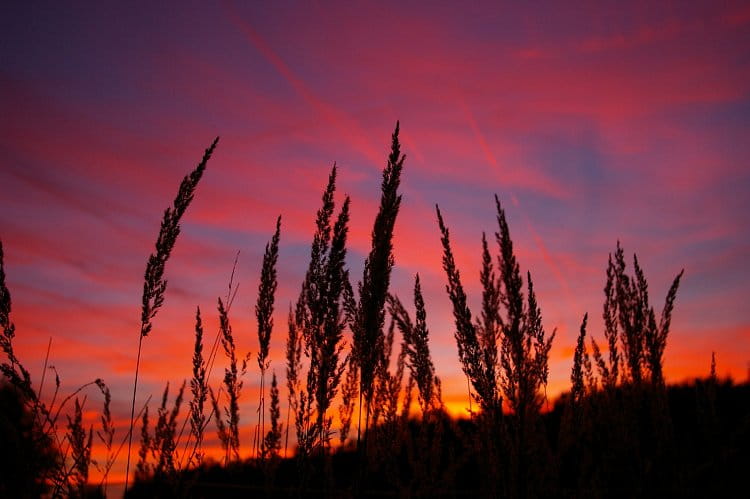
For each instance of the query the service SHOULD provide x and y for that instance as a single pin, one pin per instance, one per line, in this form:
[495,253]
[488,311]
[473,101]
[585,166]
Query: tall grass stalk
[581,367]
[349,392]
[293,368]
[116,454]
[142,467]
[467,338]
[630,320]
[264,315]
[321,318]
[416,341]
[164,443]
[272,439]
[199,390]
[155,285]
[202,377]
[232,383]
[232,290]
[107,434]
[524,359]
[609,371]
[80,447]
[373,289]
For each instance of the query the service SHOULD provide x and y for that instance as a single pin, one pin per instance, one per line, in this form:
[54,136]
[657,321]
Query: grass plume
[199,391]
[321,320]
[416,344]
[373,289]
[154,283]
[467,339]
[233,385]
[264,315]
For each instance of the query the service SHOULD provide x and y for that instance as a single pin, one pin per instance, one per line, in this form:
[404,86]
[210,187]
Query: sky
[596,123]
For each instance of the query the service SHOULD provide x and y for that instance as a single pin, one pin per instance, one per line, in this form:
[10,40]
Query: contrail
[346,126]
[546,255]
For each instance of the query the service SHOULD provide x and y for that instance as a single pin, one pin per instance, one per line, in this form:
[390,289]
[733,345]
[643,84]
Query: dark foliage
[708,458]
[28,457]
[13,370]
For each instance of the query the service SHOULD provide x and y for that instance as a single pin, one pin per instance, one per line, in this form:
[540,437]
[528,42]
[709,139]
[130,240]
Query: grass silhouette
[620,430]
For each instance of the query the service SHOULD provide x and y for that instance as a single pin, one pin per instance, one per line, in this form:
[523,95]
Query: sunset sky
[592,123]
